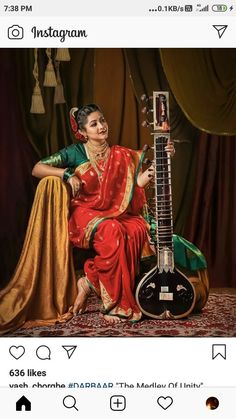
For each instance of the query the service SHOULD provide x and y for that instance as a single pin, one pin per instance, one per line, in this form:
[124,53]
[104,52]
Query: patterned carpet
[218,318]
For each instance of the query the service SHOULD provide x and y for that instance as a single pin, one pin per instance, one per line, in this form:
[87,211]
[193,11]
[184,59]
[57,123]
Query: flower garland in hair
[74,126]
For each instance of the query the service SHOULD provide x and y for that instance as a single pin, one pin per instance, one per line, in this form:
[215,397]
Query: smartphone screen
[117,139]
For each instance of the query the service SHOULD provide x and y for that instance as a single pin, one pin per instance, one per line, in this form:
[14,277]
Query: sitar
[164,292]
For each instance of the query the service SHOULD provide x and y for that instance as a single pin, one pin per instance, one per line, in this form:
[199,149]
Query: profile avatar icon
[212,403]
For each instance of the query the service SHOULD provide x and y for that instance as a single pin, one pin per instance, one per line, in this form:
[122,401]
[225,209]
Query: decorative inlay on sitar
[164,292]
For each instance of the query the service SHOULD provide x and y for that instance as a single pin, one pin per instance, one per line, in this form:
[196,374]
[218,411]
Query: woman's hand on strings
[170,148]
[148,175]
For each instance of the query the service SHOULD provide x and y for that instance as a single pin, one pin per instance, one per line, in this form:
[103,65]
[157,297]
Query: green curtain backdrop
[202,98]
[204,84]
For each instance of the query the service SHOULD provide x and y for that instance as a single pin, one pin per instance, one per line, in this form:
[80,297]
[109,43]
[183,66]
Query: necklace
[98,155]
[97,151]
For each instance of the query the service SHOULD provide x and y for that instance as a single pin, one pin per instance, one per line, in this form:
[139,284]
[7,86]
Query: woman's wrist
[67,174]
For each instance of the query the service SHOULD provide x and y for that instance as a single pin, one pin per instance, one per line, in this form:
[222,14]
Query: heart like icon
[165,402]
[17,351]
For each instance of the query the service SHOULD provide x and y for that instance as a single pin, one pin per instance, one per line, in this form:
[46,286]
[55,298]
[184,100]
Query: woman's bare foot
[112,319]
[82,296]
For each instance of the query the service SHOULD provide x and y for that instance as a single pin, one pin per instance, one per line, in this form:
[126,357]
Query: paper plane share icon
[220,29]
[70,349]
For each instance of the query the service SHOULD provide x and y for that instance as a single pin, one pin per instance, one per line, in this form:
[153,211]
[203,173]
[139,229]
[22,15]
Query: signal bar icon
[201,8]
[204,9]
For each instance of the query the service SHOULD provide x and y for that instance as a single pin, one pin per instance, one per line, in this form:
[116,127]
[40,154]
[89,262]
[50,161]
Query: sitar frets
[163,195]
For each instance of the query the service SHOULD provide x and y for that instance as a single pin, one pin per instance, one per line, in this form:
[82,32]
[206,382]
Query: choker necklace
[96,153]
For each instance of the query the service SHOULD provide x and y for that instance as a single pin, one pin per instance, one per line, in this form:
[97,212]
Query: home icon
[23,404]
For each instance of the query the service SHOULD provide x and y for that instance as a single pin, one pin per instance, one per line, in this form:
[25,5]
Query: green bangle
[68,173]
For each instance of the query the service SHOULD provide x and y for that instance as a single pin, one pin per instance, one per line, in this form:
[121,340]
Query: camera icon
[15,32]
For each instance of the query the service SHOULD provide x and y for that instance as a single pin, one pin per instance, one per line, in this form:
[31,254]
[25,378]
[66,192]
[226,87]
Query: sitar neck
[163,195]
[163,191]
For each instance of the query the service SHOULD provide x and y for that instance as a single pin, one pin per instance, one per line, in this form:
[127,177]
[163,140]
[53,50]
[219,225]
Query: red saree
[107,216]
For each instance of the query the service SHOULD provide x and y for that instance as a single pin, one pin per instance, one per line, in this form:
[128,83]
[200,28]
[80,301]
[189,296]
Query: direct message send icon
[220,29]
[70,349]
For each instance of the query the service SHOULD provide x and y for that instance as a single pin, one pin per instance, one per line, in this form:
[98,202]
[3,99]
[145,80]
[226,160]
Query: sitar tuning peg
[146,148]
[144,110]
[144,97]
[146,123]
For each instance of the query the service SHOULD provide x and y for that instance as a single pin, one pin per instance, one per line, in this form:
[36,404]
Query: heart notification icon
[165,402]
[17,351]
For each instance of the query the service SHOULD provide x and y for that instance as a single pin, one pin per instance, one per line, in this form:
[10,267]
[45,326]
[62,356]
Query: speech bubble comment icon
[43,352]
[165,402]
[17,351]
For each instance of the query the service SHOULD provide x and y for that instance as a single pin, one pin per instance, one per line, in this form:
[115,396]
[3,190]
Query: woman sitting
[106,211]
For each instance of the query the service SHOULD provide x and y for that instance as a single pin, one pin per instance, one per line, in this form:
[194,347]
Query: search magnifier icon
[69,402]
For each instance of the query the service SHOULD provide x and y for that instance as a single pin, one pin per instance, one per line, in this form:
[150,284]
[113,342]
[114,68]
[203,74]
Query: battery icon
[219,8]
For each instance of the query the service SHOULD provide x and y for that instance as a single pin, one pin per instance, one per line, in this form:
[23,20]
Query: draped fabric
[51,131]
[203,82]
[111,273]
[107,196]
[43,287]
[212,223]
[115,79]
[17,186]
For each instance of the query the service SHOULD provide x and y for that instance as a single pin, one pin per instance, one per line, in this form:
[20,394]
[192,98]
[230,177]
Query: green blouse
[71,157]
